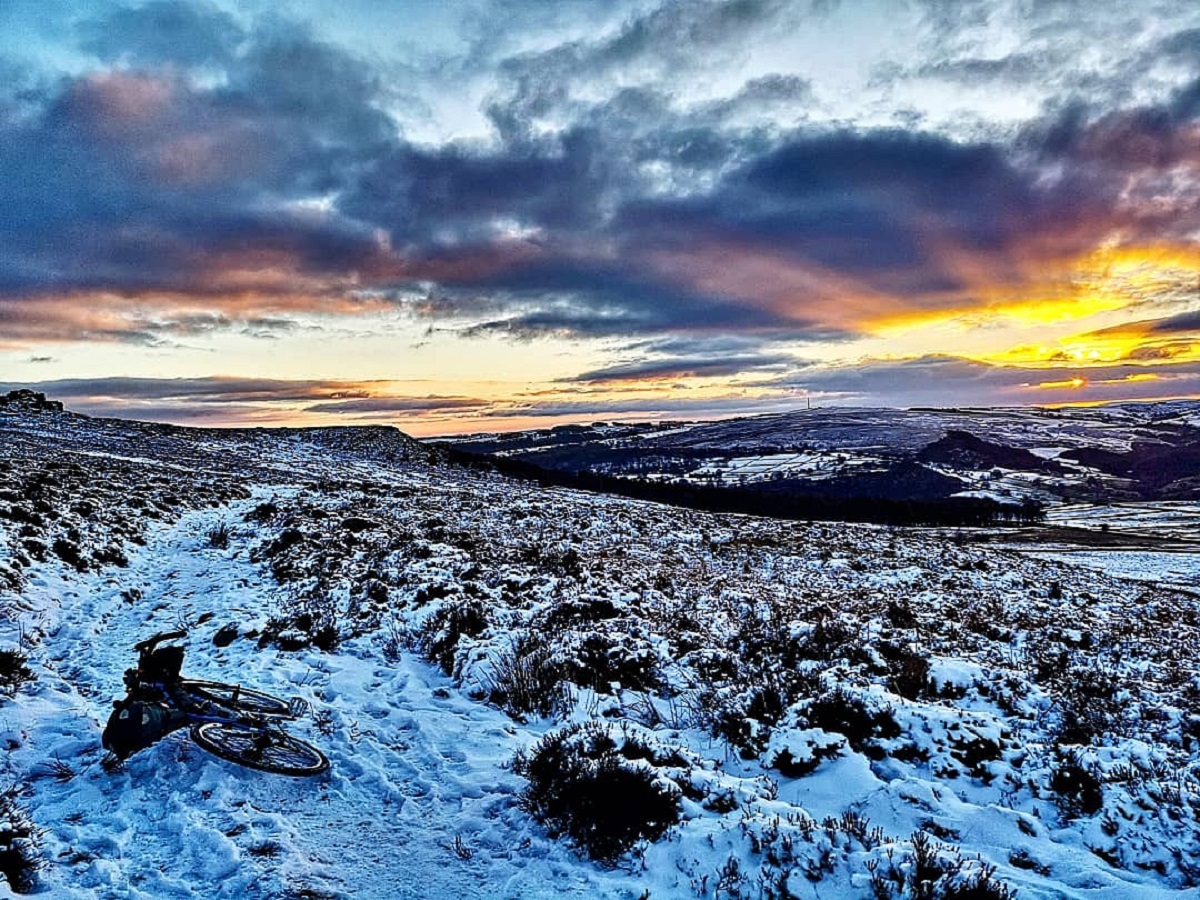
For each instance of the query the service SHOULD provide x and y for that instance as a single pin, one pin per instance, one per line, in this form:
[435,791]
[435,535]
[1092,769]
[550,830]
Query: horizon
[499,215]
[539,425]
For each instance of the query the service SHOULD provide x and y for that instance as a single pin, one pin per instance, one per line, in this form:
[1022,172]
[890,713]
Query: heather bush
[581,786]
[1077,789]
[931,872]
[13,671]
[527,680]
[844,713]
[218,536]
[20,858]
[440,633]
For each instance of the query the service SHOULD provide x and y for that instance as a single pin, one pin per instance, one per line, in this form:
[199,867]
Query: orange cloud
[117,101]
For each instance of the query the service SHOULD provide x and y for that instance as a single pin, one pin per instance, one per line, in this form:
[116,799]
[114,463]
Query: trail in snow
[414,764]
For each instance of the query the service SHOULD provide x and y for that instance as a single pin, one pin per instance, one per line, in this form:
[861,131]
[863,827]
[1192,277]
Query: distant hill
[1119,451]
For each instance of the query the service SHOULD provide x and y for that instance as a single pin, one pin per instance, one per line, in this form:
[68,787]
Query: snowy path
[414,763]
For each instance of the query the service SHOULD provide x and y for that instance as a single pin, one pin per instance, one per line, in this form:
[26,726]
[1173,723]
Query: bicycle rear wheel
[266,749]
[234,696]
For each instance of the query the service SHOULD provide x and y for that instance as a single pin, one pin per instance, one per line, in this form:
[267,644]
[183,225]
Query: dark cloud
[588,299]
[1181,323]
[146,179]
[226,400]
[679,406]
[163,31]
[198,390]
[940,380]
[1185,322]
[398,405]
[698,367]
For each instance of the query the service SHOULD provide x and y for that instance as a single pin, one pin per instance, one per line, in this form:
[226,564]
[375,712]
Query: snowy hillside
[528,692]
[1114,452]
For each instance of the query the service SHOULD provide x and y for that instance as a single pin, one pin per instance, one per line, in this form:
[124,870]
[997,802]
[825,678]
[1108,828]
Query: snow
[412,761]
[680,617]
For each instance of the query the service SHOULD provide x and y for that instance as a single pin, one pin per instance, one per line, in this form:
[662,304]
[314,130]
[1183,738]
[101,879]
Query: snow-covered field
[763,467]
[821,710]
[1171,531]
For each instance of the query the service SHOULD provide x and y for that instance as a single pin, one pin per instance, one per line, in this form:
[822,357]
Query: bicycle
[235,723]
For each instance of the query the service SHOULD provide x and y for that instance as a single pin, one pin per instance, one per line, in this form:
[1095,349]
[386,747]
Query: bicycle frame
[239,724]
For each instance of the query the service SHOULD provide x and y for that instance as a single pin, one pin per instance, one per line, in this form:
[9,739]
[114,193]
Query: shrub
[218,536]
[931,872]
[581,787]
[527,680]
[68,552]
[974,752]
[600,660]
[908,671]
[287,539]
[1077,789]
[745,718]
[441,632]
[296,632]
[1089,704]
[846,714]
[13,671]
[20,858]
[263,513]
[111,555]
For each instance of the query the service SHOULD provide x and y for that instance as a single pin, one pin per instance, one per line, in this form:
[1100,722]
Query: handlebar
[149,643]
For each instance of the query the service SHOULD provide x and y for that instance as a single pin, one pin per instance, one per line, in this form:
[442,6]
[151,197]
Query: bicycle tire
[240,743]
[236,697]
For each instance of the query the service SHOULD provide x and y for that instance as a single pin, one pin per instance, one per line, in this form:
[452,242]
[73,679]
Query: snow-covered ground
[764,467]
[834,711]
[1170,530]
[415,764]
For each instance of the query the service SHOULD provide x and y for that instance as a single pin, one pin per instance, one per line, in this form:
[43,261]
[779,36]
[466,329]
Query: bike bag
[135,724]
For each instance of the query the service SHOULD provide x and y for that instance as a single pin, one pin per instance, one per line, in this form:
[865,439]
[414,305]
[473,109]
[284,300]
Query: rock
[25,400]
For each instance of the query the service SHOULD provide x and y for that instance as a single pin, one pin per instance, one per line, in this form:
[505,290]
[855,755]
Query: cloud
[649,180]
[200,390]
[941,380]
[682,367]
[228,401]
[398,405]
[163,31]
[1183,323]
[663,41]
[650,407]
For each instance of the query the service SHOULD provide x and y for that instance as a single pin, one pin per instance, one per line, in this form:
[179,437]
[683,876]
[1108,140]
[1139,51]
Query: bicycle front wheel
[236,697]
[266,749]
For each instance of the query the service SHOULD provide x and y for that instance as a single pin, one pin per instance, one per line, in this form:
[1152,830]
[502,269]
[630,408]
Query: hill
[1115,452]
[529,691]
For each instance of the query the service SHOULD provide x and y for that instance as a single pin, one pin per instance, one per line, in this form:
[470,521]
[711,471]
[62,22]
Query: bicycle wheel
[266,749]
[234,696]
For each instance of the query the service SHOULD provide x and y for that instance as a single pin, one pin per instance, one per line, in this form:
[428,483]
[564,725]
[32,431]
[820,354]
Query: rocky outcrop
[25,400]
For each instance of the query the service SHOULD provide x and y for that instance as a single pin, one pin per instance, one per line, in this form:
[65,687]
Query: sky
[482,215]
